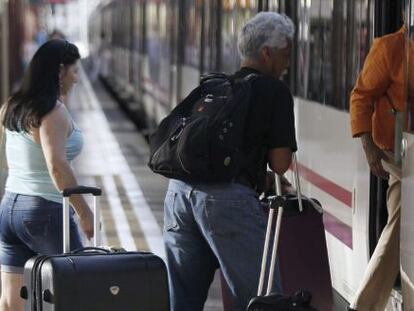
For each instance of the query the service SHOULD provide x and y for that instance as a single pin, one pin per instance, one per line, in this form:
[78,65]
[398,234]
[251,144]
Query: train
[12,38]
[22,30]
[152,53]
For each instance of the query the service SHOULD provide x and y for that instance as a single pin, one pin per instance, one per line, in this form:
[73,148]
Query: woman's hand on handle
[86,221]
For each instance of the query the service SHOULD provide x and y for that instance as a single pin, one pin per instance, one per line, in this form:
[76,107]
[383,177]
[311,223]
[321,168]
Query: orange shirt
[380,86]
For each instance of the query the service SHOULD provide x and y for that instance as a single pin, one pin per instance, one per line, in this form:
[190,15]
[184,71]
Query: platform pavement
[114,157]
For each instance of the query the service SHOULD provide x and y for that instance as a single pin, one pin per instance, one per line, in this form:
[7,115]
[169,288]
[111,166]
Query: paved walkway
[115,158]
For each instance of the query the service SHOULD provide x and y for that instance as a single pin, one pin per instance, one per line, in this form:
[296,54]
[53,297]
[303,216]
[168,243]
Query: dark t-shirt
[270,124]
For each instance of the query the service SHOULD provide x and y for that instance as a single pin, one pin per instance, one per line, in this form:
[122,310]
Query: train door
[407,211]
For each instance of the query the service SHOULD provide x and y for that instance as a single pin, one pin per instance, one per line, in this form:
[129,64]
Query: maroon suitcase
[302,251]
[303,256]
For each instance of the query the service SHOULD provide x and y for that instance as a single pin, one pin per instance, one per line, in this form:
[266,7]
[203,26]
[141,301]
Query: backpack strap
[249,78]
[213,75]
[210,77]
[187,102]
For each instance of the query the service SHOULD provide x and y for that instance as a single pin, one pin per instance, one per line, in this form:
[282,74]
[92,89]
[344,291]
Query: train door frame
[407,195]
[180,52]
[210,40]
[131,46]
[141,52]
[173,46]
[202,37]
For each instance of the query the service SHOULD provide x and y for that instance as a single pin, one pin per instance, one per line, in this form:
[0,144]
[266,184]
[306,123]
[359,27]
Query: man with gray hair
[213,225]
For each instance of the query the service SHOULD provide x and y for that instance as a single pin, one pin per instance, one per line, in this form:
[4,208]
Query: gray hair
[265,29]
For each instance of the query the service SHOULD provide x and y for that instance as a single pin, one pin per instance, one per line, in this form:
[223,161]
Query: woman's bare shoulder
[57,117]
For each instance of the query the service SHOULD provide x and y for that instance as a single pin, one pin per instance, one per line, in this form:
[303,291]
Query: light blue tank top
[28,173]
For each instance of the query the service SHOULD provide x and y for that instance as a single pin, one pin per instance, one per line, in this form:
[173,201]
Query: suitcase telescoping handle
[297,181]
[278,185]
[66,193]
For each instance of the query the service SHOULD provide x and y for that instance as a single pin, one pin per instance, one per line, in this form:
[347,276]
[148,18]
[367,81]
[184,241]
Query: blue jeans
[210,226]
[31,225]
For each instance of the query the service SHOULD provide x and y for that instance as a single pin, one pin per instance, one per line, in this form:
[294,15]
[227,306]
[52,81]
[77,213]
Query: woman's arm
[53,133]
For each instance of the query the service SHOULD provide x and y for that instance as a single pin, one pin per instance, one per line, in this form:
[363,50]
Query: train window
[210,58]
[126,26]
[234,15]
[165,50]
[107,25]
[332,42]
[229,53]
[159,48]
[137,35]
[359,37]
[136,29]
[153,42]
[273,5]
[193,14]
[276,5]
[117,27]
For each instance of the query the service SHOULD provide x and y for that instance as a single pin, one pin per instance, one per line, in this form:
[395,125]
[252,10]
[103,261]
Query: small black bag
[300,301]
[201,139]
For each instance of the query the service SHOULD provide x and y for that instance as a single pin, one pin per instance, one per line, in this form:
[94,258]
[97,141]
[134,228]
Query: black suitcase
[94,279]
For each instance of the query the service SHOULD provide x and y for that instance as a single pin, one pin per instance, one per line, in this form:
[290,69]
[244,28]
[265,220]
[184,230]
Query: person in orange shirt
[376,99]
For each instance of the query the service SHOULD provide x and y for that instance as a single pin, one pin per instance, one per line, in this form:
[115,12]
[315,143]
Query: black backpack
[202,138]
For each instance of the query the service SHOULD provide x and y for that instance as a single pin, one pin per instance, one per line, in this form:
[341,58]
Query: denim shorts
[31,225]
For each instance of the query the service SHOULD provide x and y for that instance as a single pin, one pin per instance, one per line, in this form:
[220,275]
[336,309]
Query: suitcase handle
[66,193]
[91,250]
[280,209]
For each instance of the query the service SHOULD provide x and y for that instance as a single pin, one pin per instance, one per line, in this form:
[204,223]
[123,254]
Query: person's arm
[270,183]
[282,138]
[53,133]
[372,83]
[374,155]
[280,160]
